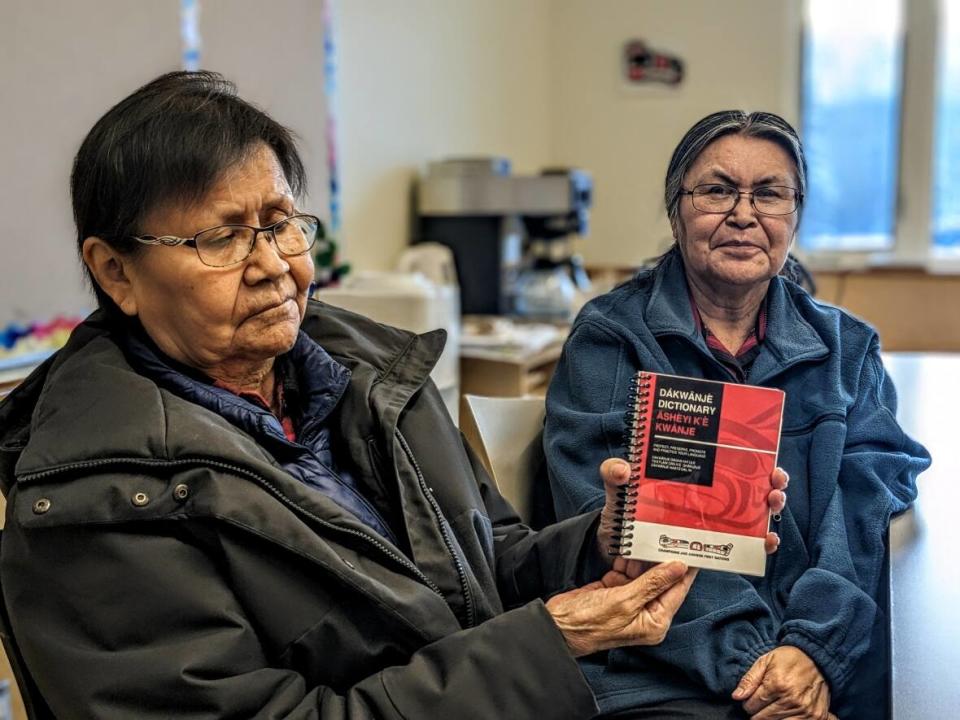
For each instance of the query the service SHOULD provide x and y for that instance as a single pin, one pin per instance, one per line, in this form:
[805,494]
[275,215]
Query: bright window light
[851,123]
[946,158]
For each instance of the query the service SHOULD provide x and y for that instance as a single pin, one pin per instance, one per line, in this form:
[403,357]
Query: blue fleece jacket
[851,467]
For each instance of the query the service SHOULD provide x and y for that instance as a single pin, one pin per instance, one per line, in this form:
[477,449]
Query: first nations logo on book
[679,544]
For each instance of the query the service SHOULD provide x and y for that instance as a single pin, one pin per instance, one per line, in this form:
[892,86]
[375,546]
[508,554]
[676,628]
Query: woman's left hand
[784,683]
[777,499]
[616,472]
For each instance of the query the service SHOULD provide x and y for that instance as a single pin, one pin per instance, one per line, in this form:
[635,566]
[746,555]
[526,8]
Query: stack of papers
[485,337]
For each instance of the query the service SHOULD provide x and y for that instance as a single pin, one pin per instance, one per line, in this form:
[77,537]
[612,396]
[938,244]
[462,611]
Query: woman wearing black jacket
[225,500]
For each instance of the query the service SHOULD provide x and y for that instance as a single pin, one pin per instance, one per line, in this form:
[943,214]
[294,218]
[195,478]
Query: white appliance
[412,302]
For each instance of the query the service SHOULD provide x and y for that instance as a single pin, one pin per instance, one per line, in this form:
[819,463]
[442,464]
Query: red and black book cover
[702,453]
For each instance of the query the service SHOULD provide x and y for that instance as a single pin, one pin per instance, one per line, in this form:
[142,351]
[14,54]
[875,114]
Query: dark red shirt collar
[738,365]
[252,396]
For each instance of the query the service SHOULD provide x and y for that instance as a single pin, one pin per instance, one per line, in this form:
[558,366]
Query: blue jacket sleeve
[831,607]
[585,417]
[724,625]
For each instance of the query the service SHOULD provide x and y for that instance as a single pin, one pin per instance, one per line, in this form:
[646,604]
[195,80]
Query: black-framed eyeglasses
[766,199]
[231,244]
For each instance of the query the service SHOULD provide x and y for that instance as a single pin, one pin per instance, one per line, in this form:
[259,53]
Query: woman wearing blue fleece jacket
[806,639]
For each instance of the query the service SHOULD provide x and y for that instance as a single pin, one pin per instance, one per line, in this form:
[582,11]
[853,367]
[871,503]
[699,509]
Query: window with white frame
[880,120]
[851,124]
[946,157]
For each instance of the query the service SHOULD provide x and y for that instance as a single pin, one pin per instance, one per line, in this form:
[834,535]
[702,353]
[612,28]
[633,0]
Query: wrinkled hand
[616,472]
[784,683]
[621,609]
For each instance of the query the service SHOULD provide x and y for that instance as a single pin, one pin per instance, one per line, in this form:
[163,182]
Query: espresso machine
[503,229]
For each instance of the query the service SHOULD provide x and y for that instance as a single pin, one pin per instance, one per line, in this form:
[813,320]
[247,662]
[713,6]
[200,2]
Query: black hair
[166,143]
[707,130]
[764,125]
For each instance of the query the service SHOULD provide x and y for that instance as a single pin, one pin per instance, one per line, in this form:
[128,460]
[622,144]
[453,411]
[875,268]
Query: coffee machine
[499,225]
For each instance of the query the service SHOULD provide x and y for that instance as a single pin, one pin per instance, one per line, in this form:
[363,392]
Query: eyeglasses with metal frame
[766,199]
[226,245]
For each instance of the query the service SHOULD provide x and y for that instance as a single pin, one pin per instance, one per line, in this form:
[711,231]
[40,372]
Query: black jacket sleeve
[116,623]
[537,564]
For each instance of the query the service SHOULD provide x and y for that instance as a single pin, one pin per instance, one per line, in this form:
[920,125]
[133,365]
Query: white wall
[63,64]
[535,80]
[274,53]
[423,79]
[738,54]
[540,82]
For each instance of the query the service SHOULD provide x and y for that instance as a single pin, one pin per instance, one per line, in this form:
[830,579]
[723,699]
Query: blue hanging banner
[328,268]
[190,34]
[330,87]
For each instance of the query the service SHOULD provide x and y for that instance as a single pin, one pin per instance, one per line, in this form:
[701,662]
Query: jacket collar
[389,365]
[668,310]
[68,410]
[321,382]
[789,338]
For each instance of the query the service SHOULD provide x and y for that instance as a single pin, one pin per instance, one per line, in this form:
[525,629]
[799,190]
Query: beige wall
[63,64]
[738,54]
[423,79]
[535,80]
[539,81]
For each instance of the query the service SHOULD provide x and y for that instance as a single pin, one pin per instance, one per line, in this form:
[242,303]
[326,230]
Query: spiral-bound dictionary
[701,454]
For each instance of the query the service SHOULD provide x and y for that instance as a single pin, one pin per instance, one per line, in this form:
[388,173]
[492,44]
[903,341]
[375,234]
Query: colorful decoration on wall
[330,87]
[25,344]
[190,34]
[328,268]
[642,64]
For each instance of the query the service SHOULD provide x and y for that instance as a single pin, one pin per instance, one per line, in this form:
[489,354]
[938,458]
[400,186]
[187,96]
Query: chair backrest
[510,431]
[33,701]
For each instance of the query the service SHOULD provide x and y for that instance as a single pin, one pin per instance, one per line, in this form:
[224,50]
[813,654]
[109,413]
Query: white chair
[506,434]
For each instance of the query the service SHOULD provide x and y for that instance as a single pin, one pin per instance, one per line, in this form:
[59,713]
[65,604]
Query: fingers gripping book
[701,454]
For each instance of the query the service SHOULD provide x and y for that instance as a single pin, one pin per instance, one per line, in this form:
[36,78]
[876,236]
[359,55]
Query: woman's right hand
[784,682]
[620,610]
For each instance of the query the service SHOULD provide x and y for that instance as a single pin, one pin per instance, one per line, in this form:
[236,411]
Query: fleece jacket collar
[790,338]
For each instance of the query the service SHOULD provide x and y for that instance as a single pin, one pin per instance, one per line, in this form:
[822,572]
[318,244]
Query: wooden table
[925,545]
[508,375]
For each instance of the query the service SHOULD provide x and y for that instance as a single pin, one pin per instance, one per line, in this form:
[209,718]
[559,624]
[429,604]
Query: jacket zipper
[259,479]
[391,535]
[461,573]
[716,363]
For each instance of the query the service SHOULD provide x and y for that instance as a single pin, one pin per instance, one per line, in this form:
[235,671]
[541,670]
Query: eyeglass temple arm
[169,240]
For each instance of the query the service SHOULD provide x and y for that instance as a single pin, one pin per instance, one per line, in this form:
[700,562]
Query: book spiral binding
[635,440]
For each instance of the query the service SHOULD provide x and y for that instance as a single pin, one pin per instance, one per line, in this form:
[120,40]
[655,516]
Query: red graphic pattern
[736,502]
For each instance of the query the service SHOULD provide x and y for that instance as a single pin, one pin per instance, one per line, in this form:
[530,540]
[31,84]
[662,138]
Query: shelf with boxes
[502,357]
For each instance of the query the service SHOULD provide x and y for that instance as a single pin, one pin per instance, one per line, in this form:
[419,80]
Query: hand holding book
[619,610]
[635,601]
